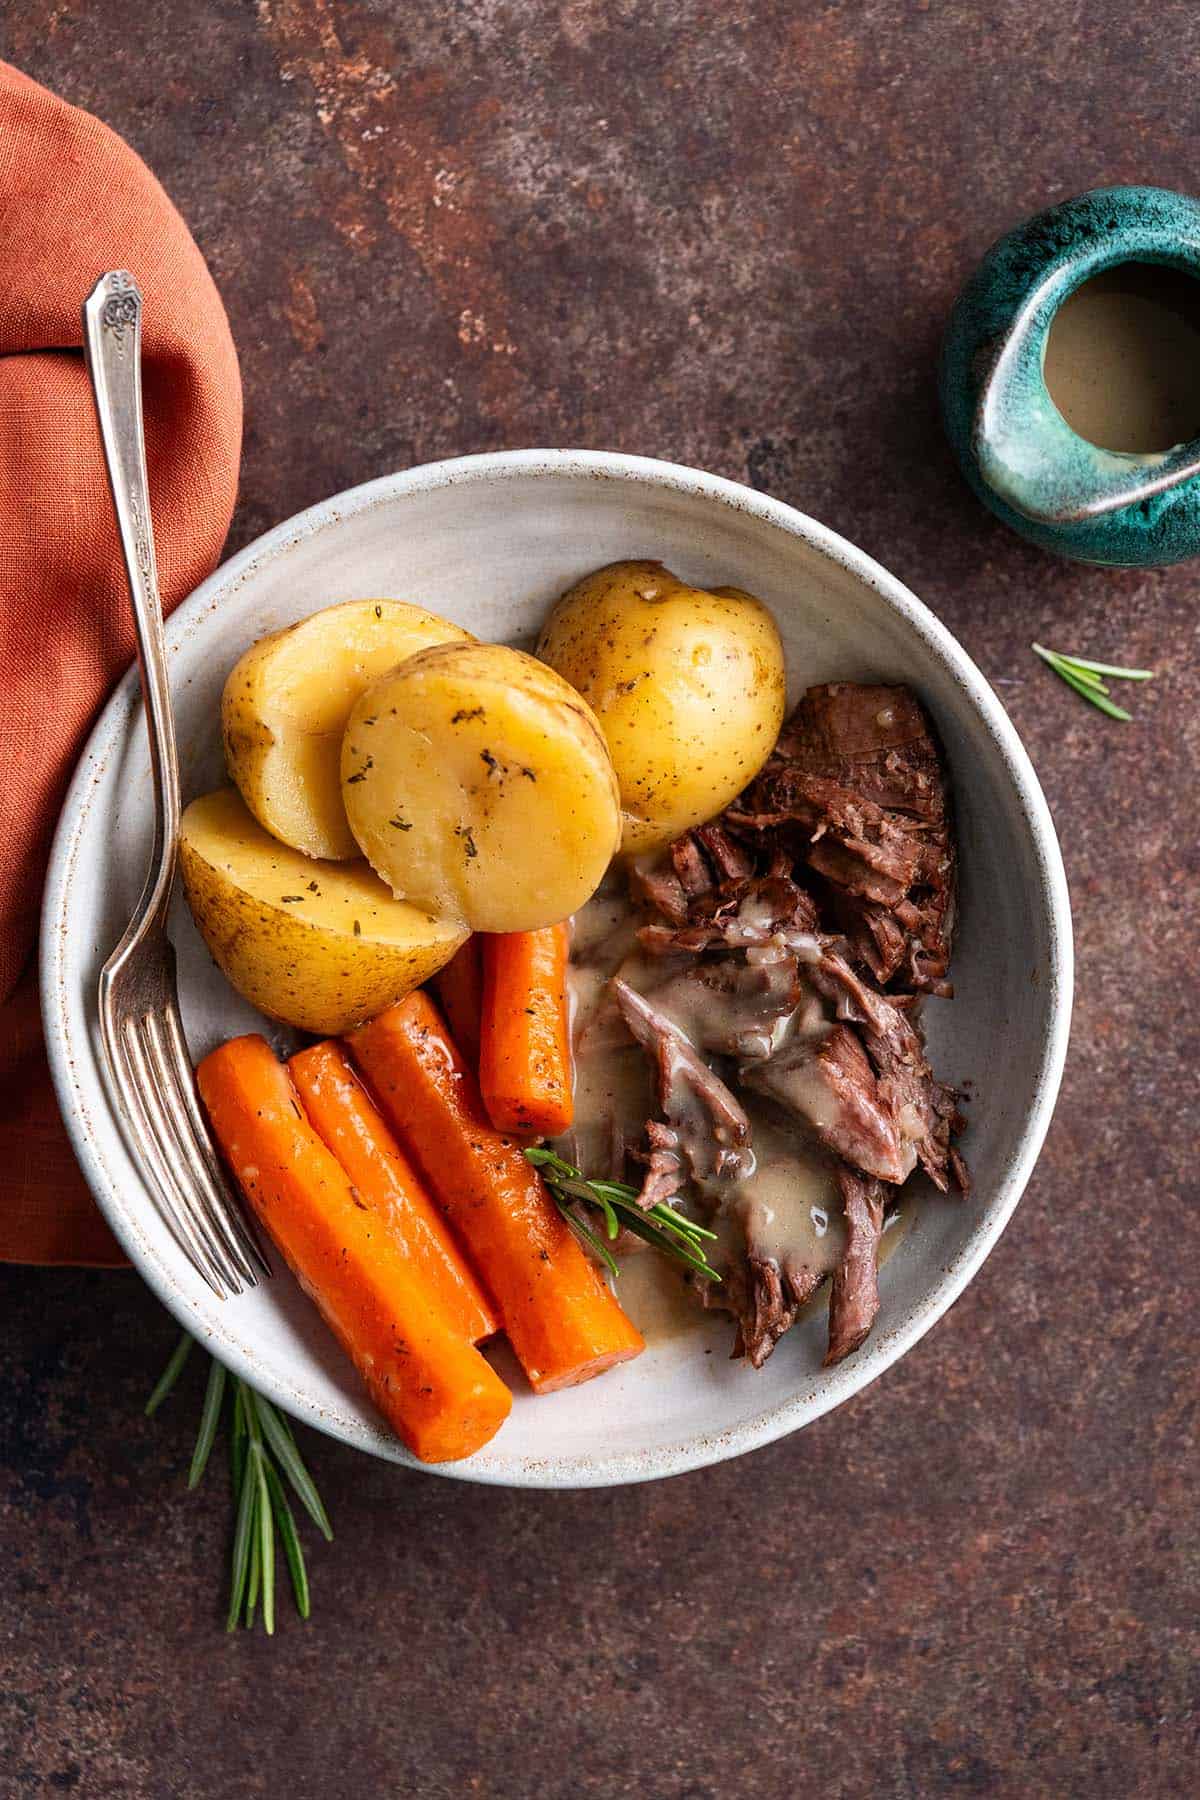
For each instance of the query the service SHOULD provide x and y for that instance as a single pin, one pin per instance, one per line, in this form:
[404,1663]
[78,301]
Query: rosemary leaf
[289,1537]
[1064,666]
[241,1553]
[170,1374]
[237,1443]
[214,1393]
[1118,674]
[619,1192]
[1090,693]
[586,1235]
[250,1412]
[611,1223]
[677,1221]
[285,1426]
[255,1569]
[576,1187]
[651,1234]
[668,1220]
[266,1529]
[283,1446]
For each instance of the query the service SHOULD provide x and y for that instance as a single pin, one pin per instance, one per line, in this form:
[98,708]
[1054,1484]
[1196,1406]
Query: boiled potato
[285,708]
[688,686]
[321,945]
[478,785]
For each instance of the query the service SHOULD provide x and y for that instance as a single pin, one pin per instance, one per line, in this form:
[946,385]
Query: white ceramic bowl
[490,541]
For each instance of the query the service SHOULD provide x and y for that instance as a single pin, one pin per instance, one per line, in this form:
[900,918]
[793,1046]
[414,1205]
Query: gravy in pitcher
[1123,359]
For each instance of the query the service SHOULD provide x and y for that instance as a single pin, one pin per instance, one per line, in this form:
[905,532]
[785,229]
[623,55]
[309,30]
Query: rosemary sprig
[1087,678]
[262,1451]
[170,1374]
[665,1230]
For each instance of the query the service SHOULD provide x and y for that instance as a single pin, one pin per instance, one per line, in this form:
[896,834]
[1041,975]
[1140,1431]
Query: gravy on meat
[788,1201]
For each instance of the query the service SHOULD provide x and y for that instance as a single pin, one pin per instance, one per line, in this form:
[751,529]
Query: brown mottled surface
[727,235]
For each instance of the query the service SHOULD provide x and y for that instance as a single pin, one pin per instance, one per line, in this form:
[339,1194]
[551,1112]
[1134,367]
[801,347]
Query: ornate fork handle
[112,324]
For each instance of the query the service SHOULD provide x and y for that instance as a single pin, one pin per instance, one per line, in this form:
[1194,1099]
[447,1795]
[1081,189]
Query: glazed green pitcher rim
[1027,452]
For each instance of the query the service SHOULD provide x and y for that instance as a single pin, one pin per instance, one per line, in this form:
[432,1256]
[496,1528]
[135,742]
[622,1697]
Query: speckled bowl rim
[886,1345]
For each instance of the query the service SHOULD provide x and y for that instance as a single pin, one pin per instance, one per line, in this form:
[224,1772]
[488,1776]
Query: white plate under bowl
[490,541]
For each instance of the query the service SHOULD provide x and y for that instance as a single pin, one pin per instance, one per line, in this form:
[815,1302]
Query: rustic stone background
[727,235]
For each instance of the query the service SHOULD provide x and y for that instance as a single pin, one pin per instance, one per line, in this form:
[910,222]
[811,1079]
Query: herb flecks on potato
[320,945]
[285,707]
[478,785]
[688,686]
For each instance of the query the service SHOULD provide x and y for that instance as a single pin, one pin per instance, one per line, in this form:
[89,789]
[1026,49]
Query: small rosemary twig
[1087,678]
[669,1232]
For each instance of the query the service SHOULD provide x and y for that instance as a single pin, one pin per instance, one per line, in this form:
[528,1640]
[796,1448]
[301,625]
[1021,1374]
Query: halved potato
[285,708]
[478,785]
[688,686]
[320,945]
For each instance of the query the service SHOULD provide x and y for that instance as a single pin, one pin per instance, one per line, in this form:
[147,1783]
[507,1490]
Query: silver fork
[149,1068]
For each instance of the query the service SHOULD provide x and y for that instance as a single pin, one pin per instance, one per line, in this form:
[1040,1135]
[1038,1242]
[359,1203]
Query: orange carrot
[525,1038]
[459,987]
[340,1111]
[430,1384]
[561,1319]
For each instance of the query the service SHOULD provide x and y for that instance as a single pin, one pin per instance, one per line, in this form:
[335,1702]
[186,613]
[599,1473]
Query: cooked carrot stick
[561,1319]
[459,987]
[525,1036]
[342,1114]
[430,1384]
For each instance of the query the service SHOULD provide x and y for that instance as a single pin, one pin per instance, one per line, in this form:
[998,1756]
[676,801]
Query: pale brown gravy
[791,1187]
[1122,360]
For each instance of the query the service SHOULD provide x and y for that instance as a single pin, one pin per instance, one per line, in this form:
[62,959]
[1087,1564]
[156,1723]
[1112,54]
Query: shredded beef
[764,1299]
[831,1088]
[710,1130]
[854,1289]
[728,860]
[691,865]
[855,785]
[833,877]
[665,1174]
[924,1110]
[660,889]
[753,910]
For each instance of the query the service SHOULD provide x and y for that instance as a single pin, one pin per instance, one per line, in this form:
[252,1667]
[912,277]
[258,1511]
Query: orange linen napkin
[75,201]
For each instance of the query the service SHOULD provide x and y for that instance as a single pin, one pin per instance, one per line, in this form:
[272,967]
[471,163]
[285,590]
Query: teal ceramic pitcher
[1015,447]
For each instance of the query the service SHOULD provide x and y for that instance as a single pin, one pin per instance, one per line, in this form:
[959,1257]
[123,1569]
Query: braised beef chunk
[830,1086]
[727,859]
[691,865]
[764,1298]
[746,912]
[854,1289]
[856,787]
[711,1133]
[660,889]
[665,1174]
[924,1110]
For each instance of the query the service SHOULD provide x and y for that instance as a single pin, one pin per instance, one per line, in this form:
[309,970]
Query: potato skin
[285,706]
[299,959]
[688,685]
[478,784]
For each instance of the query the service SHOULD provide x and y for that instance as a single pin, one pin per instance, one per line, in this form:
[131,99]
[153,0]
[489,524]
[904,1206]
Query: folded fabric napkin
[75,201]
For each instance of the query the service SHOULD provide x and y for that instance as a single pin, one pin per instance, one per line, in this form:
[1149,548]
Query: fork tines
[152,1076]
